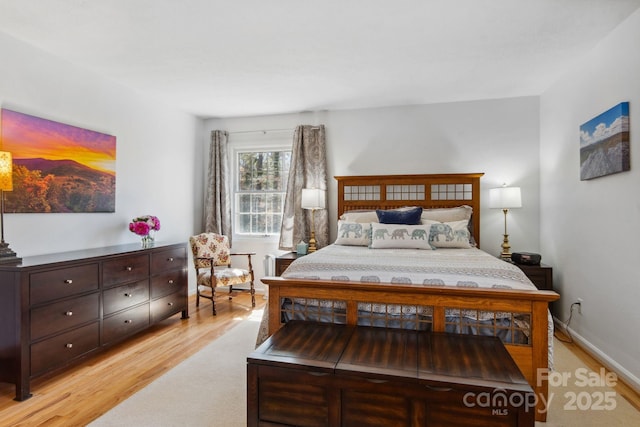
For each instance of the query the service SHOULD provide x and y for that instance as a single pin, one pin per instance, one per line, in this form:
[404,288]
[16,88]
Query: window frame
[251,145]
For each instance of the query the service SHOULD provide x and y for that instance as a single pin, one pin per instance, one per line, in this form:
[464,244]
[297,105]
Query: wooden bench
[321,374]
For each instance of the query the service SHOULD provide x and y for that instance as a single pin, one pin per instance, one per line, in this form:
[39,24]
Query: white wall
[497,137]
[590,229]
[157,148]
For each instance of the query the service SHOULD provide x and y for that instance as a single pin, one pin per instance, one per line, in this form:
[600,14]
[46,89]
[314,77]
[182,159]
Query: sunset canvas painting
[58,167]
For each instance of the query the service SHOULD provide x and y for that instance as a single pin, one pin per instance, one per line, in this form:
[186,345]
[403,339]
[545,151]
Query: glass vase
[147,241]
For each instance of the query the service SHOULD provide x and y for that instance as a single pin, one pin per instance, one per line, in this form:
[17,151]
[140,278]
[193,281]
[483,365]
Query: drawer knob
[128,295]
[69,345]
[170,304]
[170,259]
[129,268]
[68,281]
[69,313]
[171,281]
[128,321]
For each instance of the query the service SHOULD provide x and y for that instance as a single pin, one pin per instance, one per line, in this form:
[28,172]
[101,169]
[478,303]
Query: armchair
[212,261]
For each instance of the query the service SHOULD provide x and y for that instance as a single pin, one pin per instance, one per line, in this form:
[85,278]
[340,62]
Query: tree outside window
[261,187]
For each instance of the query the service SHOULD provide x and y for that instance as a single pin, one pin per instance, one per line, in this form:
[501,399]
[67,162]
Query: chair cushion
[225,277]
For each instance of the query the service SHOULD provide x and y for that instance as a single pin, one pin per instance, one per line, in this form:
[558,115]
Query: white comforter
[451,267]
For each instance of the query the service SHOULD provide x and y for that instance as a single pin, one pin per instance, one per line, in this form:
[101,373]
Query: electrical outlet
[580,304]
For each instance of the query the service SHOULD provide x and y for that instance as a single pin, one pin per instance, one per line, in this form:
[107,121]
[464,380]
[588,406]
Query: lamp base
[506,248]
[7,255]
[312,242]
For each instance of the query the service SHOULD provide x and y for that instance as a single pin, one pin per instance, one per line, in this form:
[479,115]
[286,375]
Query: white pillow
[453,234]
[399,236]
[353,233]
[447,214]
[359,216]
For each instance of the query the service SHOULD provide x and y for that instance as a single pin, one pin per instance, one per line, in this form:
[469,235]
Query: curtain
[217,204]
[308,170]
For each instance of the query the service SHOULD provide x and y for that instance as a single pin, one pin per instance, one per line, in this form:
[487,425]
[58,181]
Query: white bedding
[451,267]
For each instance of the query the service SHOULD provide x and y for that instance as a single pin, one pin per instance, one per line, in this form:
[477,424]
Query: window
[261,184]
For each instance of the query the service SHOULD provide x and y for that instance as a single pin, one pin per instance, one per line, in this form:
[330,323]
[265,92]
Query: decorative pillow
[353,233]
[449,234]
[359,216]
[449,215]
[399,236]
[409,216]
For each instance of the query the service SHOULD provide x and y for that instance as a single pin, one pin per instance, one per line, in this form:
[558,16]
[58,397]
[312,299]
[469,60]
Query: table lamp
[6,184]
[313,198]
[505,198]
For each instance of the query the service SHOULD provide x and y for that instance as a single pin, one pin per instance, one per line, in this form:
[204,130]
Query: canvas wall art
[57,167]
[604,143]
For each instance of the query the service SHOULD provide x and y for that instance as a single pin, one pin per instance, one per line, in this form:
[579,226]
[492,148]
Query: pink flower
[143,225]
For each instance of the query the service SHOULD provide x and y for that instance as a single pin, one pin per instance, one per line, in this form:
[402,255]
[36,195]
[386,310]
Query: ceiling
[216,58]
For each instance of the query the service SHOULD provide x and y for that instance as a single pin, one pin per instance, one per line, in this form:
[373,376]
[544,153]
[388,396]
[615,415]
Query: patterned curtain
[217,204]
[308,170]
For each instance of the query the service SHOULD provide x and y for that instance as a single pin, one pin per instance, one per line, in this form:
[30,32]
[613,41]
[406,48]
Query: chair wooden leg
[230,290]
[253,295]
[197,297]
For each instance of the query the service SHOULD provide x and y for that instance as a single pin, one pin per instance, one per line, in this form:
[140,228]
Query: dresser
[322,374]
[59,308]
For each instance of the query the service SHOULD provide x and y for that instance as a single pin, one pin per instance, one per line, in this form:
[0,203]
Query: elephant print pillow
[453,234]
[353,233]
[399,236]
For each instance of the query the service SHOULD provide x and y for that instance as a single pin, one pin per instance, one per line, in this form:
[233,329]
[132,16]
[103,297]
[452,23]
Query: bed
[394,278]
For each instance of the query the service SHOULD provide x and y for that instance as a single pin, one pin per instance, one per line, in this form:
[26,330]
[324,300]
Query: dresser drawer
[54,284]
[125,269]
[58,316]
[168,283]
[125,323]
[125,296]
[61,349]
[168,259]
[168,306]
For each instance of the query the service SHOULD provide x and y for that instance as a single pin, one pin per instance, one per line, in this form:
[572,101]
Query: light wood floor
[80,394]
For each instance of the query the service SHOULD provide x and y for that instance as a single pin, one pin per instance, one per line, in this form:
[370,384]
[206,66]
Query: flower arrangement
[144,225]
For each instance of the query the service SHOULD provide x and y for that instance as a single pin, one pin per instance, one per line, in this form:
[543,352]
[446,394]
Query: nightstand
[541,275]
[283,261]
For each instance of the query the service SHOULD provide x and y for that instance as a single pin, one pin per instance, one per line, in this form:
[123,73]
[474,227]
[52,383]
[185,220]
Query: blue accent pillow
[409,216]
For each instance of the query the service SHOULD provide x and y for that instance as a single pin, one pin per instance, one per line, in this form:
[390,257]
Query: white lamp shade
[313,198]
[505,198]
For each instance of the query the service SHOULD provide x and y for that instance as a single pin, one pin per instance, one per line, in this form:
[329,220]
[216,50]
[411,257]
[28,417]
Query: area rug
[580,397]
[189,395]
[207,389]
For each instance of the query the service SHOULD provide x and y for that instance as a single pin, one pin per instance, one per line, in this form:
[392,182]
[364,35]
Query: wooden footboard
[531,358]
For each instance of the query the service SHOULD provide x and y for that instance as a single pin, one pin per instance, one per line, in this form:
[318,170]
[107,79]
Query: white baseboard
[606,361]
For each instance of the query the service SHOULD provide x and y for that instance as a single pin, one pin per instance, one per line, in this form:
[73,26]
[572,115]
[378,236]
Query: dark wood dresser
[320,374]
[57,309]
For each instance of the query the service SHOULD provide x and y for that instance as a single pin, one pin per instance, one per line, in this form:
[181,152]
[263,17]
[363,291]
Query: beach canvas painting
[604,143]
[57,167]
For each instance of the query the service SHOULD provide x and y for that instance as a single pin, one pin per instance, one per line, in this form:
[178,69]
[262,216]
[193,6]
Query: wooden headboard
[370,192]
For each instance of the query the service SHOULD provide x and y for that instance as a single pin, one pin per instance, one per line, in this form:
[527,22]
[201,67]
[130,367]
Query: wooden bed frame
[428,191]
